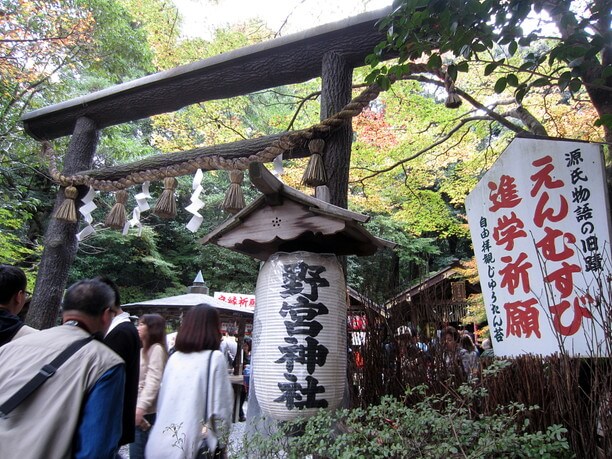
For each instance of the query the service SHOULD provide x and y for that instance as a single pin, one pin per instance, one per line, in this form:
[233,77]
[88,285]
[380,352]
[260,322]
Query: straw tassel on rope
[67,209]
[234,198]
[315,174]
[117,217]
[166,204]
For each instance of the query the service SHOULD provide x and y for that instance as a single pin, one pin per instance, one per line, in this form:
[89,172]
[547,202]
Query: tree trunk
[336,93]
[60,237]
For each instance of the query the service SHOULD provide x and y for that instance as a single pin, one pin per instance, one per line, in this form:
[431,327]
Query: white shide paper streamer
[141,198]
[86,209]
[196,203]
[277,169]
[134,221]
[141,205]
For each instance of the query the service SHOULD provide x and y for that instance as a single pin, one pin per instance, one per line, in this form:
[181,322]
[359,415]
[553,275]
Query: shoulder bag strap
[43,374]
[207,387]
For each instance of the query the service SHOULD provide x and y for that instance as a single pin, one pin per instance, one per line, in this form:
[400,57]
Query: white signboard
[539,221]
[237,299]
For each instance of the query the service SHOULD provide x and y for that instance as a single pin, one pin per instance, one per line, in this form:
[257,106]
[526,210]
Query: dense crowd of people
[96,382]
[413,353]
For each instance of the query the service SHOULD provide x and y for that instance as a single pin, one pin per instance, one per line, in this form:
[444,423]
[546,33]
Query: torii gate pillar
[60,237]
[336,86]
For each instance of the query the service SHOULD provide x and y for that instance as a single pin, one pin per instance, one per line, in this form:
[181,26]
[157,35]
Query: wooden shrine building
[173,308]
[441,298]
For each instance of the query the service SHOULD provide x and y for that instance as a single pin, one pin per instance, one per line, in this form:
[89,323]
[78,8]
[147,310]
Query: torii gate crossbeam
[287,60]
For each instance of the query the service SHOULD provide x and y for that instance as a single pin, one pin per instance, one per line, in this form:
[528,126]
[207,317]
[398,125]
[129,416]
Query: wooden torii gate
[330,51]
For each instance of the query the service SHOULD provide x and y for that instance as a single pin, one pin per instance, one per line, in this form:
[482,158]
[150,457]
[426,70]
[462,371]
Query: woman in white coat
[187,386]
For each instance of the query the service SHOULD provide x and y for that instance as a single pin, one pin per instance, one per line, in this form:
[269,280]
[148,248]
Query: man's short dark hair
[108,281]
[12,280]
[89,296]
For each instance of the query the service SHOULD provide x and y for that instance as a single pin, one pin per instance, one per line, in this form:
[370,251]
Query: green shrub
[439,426]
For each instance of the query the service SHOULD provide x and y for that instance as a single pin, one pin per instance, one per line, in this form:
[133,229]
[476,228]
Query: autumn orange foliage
[371,128]
[37,38]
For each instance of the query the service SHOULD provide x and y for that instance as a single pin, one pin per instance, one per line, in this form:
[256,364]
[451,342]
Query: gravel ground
[235,438]
[124,451]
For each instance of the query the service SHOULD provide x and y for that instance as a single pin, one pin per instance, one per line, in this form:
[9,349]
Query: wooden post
[336,87]
[337,76]
[60,237]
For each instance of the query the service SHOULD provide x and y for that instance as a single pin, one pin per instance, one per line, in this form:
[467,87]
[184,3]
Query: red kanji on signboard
[515,273]
[542,177]
[579,312]
[562,279]
[548,244]
[504,196]
[543,213]
[522,318]
[507,230]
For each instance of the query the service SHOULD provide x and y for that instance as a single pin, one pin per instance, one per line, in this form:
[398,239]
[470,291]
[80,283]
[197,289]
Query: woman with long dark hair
[153,357]
[195,388]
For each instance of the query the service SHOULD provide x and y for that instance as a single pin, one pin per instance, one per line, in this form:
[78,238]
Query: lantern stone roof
[284,219]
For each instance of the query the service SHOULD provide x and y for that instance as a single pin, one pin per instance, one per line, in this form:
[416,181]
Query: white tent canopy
[189,300]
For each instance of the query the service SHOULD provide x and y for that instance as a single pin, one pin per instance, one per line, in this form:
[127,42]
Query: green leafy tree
[132,261]
[409,195]
[565,49]
[49,51]
[380,275]
[544,67]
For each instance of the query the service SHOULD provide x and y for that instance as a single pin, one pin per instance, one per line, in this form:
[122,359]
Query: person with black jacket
[13,296]
[122,337]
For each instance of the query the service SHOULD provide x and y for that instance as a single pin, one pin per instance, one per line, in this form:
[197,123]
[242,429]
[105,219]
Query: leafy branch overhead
[527,46]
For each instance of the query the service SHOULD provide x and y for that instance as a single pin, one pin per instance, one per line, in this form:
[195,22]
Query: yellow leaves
[293,172]
[159,20]
[565,117]
[370,203]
